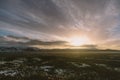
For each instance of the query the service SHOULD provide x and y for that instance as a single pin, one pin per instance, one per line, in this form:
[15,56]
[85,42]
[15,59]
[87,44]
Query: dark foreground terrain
[60,65]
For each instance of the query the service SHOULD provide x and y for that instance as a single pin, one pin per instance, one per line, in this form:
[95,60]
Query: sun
[78,41]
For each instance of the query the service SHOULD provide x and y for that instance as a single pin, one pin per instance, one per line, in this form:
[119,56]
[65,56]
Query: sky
[54,23]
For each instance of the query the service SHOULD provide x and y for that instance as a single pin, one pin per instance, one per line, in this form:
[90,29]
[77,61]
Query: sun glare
[78,41]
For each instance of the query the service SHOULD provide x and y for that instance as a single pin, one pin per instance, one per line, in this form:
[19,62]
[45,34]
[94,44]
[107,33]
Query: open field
[60,65]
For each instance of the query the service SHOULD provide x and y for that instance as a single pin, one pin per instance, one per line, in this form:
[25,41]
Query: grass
[60,65]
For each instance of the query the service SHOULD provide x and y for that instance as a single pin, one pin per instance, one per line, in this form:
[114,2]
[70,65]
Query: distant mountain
[34,49]
[18,49]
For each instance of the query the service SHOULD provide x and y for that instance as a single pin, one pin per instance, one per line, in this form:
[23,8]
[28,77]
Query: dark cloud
[24,41]
[36,42]
[90,46]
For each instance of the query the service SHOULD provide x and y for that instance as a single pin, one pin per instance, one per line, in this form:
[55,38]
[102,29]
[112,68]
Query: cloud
[36,42]
[56,20]
[13,39]
[24,41]
[90,46]
[113,43]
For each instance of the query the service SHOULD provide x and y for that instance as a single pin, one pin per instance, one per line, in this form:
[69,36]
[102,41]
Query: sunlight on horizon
[79,41]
